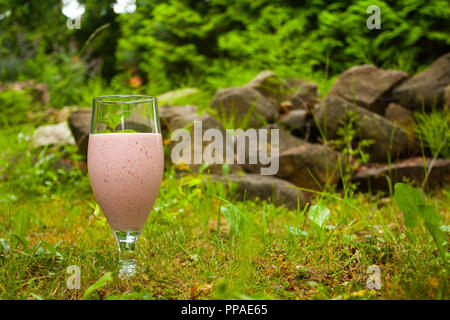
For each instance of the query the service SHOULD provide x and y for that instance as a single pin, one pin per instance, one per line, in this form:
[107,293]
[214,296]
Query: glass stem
[126,241]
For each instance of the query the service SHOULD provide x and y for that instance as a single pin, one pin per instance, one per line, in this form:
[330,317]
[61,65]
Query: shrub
[173,40]
[14,106]
[434,129]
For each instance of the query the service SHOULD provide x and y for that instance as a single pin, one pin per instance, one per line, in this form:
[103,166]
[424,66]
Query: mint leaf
[114,119]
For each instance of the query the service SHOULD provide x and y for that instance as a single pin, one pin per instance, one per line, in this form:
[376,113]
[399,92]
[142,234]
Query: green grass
[275,253]
[185,252]
[434,130]
[200,243]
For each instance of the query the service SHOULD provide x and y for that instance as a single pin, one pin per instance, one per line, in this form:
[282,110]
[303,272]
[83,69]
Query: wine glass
[125,164]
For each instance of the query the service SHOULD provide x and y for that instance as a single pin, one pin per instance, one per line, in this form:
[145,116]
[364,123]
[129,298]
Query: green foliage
[15,105]
[228,290]
[409,200]
[434,128]
[319,214]
[114,119]
[412,204]
[201,99]
[36,171]
[36,44]
[234,218]
[65,76]
[212,44]
[348,132]
[50,251]
[28,27]
[5,246]
[20,226]
[352,148]
[103,281]
[276,254]
[226,44]
[232,117]
[97,38]
[134,295]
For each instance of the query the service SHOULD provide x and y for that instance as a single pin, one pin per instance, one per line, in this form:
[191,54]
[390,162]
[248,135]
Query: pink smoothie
[126,170]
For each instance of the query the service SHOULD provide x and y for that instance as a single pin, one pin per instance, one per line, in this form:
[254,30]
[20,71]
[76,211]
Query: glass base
[126,241]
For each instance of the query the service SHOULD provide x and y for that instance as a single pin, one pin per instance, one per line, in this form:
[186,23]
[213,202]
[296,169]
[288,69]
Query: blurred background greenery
[156,46]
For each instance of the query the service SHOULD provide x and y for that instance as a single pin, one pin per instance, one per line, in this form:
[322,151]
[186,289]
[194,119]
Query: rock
[51,114]
[254,186]
[311,166]
[270,86]
[299,102]
[39,91]
[447,96]
[171,96]
[300,93]
[138,123]
[405,119]
[61,114]
[55,134]
[208,122]
[304,94]
[387,136]
[285,107]
[400,115]
[301,124]
[426,88]
[375,178]
[187,120]
[367,86]
[300,162]
[167,113]
[295,120]
[80,125]
[244,104]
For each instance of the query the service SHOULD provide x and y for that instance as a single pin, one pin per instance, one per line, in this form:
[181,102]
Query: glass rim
[124,99]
